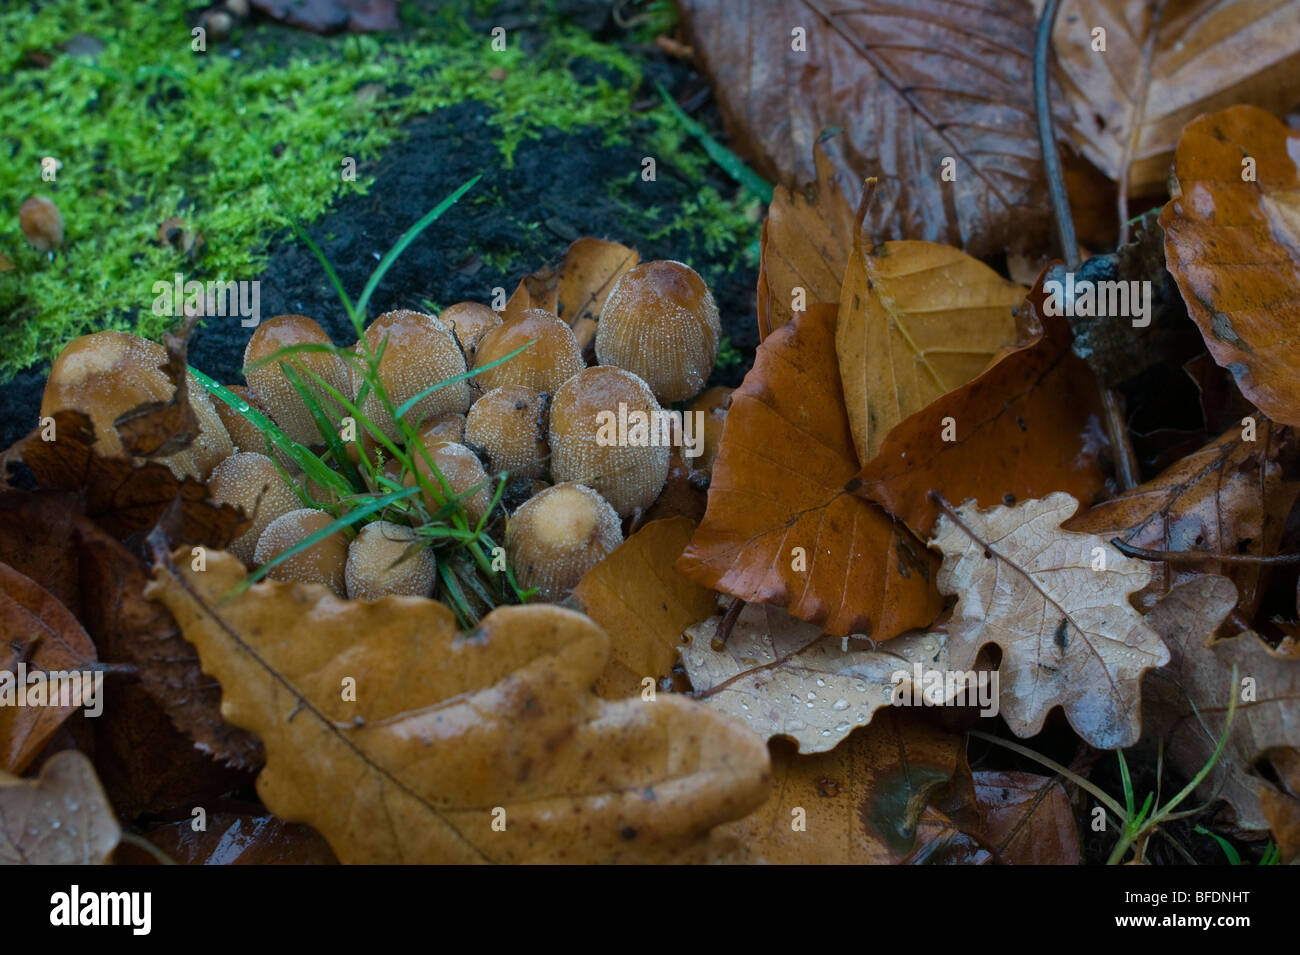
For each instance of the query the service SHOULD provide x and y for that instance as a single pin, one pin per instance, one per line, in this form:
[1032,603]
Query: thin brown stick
[1126,466]
[1189,556]
[728,621]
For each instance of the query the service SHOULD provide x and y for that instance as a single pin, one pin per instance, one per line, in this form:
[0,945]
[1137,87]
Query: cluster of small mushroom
[535,416]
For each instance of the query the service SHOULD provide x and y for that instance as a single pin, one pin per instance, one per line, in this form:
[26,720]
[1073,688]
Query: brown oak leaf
[60,818]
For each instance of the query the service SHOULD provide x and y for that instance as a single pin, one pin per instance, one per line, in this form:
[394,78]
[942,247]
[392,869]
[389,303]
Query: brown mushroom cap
[41,222]
[243,433]
[544,366]
[384,560]
[469,322]
[585,416]
[253,483]
[661,323]
[273,389]
[445,427]
[510,423]
[559,535]
[106,374]
[420,352]
[322,563]
[462,470]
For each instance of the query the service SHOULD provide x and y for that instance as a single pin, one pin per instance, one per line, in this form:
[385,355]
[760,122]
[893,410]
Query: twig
[728,621]
[1190,556]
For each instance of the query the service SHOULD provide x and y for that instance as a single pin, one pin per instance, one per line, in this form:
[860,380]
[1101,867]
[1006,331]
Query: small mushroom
[243,433]
[469,322]
[41,222]
[445,427]
[559,535]
[608,432]
[286,407]
[385,560]
[420,352]
[322,563]
[106,374]
[552,359]
[462,470]
[660,322]
[509,424]
[252,482]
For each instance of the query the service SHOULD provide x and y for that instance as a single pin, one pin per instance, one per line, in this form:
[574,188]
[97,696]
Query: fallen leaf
[1282,810]
[785,678]
[1026,818]
[804,247]
[42,635]
[859,804]
[248,837]
[1163,65]
[782,526]
[1068,635]
[577,287]
[446,727]
[1028,426]
[162,428]
[1234,250]
[330,16]
[60,818]
[1188,702]
[917,320]
[913,86]
[637,596]
[1231,497]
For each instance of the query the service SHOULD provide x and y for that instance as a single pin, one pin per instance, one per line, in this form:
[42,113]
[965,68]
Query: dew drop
[840,704]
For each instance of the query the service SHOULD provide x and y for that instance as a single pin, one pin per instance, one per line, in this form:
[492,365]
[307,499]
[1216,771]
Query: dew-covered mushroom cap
[545,365]
[557,536]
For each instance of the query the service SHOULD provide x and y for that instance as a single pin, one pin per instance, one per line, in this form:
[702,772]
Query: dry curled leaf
[786,678]
[914,87]
[635,594]
[1026,818]
[60,818]
[1068,635]
[1231,497]
[1188,702]
[917,320]
[449,731]
[1232,242]
[783,526]
[1163,65]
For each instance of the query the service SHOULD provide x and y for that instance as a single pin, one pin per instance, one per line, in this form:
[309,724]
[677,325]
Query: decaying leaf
[859,804]
[1232,241]
[234,835]
[43,636]
[917,320]
[1232,497]
[160,428]
[637,596]
[919,89]
[60,818]
[1056,602]
[399,738]
[576,289]
[1163,65]
[1189,701]
[1026,818]
[785,678]
[783,526]
[1026,427]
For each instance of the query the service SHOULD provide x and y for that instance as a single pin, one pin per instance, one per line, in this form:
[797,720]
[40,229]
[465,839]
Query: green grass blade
[728,161]
[324,426]
[354,313]
[406,406]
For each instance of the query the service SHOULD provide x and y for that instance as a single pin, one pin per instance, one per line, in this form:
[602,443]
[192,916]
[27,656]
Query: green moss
[150,129]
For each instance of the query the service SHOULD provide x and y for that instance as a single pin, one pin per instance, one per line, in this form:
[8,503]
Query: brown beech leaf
[164,427]
[644,603]
[1027,426]
[1068,635]
[1188,703]
[1026,818]
[805,245]
[1233,246]
[43,635]
[785,678]
[917,320]
[782,526]
[912,85]
[1231,497]
[861,803]
[447,726]
[1165,64]
[36,539]
[60,818]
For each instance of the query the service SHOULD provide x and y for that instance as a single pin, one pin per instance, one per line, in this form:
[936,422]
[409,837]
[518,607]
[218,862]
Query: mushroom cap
[106,374]
[281,400]
[660,322]
[559,535]
[510,424]
[322,563]
[445,427]
[41,222]
[421,351]
[462,470]
[382,561]
[469,322]
[586,416]
[552,360]
[243,434]
[253,483]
